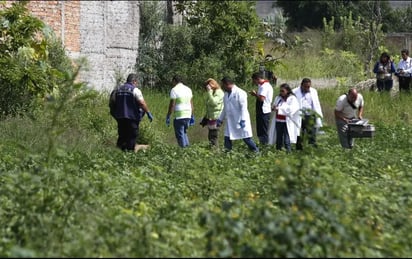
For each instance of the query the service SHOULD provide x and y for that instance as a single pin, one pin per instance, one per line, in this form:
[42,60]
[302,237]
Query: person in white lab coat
[311,112]
[236,114]
[284,128]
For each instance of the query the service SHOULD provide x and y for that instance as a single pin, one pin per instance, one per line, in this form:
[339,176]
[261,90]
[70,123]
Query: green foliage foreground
[88,199]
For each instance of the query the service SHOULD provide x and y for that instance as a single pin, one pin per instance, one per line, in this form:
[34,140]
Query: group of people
[385,67]
[291,117]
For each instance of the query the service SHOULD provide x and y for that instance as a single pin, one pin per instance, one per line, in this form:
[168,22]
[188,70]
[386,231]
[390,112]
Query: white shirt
[266,90]
[406,65]
[347,110]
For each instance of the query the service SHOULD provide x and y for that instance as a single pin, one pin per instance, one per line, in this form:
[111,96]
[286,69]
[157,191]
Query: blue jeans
[249,142]
[180,126]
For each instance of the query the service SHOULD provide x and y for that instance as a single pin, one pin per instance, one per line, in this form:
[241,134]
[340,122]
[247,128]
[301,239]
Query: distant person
[348,107]
[264,96]
[181,105]
[383,70]
[311,112]
[128,106]
[284,127]
[236,115]
[404,71]
[214,107]
[267,73]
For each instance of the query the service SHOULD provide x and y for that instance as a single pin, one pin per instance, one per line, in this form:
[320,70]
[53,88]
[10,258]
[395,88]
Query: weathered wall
[62,16]
[106,33]
[109,38]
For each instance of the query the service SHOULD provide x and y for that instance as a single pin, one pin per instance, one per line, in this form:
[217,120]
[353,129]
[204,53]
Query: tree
[225,30]
[309,14]
[30,57]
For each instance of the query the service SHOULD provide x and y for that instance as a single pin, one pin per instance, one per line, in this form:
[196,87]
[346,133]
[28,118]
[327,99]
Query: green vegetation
[89,199]
[67,191]
[32,60]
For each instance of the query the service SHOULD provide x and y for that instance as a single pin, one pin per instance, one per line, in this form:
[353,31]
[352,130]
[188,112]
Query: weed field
[67,191]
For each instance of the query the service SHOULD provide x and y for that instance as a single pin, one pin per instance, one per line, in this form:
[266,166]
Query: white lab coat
[290,109]
[234,110]
[316,104]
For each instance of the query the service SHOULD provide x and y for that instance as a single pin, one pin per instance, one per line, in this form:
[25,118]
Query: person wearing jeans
[236,115]
[181,105]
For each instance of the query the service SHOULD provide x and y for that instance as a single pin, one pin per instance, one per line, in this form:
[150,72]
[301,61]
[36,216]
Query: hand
[204,121]
[208,87]
[253,92]
[150,116]
[242,124]
[219,123]
[192,121]
[168,120]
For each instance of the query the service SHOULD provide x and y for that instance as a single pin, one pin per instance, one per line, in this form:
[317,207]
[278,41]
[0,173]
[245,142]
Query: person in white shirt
[311,112]
[348,107]
[404,71]
[264,96]
[181,105]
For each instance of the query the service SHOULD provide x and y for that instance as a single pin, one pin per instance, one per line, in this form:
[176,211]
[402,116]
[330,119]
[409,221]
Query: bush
[31,59]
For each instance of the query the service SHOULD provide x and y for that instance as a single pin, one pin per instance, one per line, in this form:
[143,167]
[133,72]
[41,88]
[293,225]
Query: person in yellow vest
[181,105]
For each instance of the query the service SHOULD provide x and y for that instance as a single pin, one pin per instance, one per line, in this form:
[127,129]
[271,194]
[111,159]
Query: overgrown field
[67,191]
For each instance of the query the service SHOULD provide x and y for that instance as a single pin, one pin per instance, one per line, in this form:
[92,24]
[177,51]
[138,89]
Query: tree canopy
[309,14]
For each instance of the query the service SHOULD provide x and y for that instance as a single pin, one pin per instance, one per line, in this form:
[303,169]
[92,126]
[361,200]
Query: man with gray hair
[128,107]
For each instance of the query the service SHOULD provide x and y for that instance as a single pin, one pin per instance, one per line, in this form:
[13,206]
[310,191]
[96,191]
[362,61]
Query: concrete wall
[109,39]
[106,33]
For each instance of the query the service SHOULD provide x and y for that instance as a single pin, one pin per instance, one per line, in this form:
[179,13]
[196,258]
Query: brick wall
[106,33]
[62,16]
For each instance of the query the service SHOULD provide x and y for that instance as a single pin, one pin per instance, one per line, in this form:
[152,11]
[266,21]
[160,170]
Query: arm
[339,115]
[144,105]
[375,68]
[392,67]
[172,104]
[259,97]
[360,112]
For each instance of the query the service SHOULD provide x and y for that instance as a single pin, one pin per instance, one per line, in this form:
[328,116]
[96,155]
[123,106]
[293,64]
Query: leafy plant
[30,57]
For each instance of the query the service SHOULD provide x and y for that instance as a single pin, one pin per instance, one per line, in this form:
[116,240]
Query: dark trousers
[404,83]
[212,136]
[384,85]
[262,127]
[282,136]
[128,131]
[307,130]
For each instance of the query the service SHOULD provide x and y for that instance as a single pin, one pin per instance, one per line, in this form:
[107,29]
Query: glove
[219,123]
[242,124]
[150,116]
[204,121]
[192,121]
[168,120]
